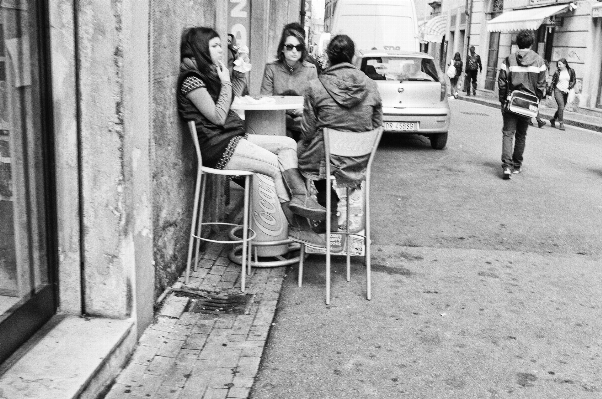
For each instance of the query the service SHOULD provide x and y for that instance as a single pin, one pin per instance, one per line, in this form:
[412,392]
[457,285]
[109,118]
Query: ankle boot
[320,227]
[301,202]
[540,122]
[299,229]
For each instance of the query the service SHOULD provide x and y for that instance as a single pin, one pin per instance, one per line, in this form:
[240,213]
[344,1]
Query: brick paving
[185,354]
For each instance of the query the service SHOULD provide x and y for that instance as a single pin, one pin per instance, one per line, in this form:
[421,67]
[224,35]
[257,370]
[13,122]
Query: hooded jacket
[524,70]
[342,98]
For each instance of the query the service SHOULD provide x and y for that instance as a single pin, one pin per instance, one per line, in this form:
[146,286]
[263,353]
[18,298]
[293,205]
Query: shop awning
[434,29]
[530,18]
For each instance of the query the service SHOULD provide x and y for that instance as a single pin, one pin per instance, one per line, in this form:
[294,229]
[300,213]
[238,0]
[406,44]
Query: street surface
[482,288]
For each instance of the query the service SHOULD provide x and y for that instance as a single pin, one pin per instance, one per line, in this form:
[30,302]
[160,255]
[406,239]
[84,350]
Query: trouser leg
[508,132]
[520,142]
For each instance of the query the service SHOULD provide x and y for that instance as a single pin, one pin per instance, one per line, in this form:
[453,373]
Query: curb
[543,114]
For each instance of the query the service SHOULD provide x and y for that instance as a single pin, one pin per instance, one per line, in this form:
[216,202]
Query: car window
[400,69]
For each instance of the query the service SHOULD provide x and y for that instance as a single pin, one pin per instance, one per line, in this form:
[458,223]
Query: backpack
[471,63]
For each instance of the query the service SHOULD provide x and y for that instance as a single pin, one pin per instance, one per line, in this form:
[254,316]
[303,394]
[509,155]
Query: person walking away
[562,82]
[289,75]
[526,71]
[458,64]
[342,98]
[473,67]
[204,93]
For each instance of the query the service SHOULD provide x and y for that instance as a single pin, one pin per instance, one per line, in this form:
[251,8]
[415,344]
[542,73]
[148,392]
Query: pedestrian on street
[205,92]
[473,67]
[458,65]
[342,98]
[526,71]
[289,75]
[562,82]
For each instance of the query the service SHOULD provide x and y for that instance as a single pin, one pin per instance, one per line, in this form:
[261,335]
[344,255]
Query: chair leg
[328,211]
[249,210]
[367,239]
[348,237]
[245,228]
[197,247]
[192,243]
[301,259]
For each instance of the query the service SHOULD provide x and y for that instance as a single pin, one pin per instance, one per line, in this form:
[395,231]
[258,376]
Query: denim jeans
[268,155]
[561,98]
[512,150]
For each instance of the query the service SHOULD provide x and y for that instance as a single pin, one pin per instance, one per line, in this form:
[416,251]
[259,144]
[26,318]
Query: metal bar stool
[197,213]
[348,144]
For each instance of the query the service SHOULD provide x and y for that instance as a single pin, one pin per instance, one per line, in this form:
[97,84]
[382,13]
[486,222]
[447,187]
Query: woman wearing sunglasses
[289,75]
[205,92]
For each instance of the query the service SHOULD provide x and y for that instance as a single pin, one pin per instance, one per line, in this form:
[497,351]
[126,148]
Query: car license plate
[401,126]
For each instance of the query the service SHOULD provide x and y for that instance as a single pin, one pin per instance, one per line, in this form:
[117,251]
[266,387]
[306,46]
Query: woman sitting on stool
[205,93]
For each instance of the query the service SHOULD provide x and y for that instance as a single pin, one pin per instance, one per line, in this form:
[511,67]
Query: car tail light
[443,90]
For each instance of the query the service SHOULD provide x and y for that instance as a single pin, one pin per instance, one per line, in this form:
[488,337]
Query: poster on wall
[239,21]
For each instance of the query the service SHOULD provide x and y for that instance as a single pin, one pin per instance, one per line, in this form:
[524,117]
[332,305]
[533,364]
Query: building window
[27,296]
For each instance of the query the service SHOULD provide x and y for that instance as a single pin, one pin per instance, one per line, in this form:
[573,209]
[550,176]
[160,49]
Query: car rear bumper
[431,120]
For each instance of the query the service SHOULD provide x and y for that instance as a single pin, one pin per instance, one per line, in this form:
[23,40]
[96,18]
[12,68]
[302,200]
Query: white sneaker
[507,174]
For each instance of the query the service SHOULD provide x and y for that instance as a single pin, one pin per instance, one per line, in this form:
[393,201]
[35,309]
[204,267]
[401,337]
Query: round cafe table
[267,115]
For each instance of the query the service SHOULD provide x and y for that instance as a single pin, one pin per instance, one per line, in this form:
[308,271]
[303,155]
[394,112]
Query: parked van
[374,24]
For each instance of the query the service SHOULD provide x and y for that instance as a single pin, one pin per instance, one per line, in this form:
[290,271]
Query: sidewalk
[546,111]
[208,337]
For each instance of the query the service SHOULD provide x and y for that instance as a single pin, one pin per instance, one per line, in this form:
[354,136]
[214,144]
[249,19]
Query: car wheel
[438,141]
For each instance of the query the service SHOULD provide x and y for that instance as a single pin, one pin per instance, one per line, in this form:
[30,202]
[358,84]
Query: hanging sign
[597,10]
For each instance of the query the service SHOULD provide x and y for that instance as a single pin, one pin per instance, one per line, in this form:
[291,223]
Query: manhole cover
[215,302]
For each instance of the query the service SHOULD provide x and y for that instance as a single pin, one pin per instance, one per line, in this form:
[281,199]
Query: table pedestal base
[292,257]
[266,122]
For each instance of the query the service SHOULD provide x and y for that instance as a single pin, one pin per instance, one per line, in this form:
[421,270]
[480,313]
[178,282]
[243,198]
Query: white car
[413,92]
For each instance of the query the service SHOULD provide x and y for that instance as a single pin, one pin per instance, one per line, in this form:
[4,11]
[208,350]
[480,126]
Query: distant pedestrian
[473,67]
[458,65]
[562,82]
[524,70]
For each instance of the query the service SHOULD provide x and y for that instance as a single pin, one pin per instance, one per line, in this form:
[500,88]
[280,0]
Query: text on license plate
[401,126]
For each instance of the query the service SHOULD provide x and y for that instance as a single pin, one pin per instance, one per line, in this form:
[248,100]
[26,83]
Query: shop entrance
[27,232]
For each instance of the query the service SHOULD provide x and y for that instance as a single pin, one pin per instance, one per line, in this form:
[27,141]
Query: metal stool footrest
[233,239]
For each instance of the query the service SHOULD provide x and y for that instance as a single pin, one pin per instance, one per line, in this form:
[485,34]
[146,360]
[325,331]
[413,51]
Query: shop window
[27,297]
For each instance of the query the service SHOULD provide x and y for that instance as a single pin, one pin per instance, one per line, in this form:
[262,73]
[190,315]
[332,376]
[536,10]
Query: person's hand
[222,72]
[503,107]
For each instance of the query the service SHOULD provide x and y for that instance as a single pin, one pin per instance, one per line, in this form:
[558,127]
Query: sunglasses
[298,47]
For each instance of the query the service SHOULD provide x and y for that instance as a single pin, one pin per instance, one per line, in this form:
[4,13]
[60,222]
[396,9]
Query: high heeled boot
[300,230]
[301,202]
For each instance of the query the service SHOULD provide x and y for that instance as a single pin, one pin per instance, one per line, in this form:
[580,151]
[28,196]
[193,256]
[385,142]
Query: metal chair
[197,212]
[348,144]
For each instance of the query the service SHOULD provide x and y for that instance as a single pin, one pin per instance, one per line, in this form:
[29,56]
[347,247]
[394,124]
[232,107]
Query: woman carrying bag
[563,81]
[453,78]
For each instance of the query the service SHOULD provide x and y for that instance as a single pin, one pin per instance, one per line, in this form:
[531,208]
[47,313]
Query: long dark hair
[195,45]
[565,62]
[457,57]
[340,49]
[297,35]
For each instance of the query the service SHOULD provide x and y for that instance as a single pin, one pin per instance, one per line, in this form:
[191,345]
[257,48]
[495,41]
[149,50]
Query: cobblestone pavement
[186,354]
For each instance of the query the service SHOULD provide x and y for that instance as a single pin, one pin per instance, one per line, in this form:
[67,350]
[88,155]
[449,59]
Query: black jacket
[524,70]
[572,79]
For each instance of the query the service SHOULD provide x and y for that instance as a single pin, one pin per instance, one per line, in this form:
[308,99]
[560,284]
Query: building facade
[563,29]
[96,168]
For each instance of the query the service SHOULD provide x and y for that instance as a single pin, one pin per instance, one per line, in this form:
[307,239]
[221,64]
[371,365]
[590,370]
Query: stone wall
[172,151]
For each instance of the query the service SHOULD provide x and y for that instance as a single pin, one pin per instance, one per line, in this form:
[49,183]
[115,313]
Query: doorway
[27,232]
[494,47]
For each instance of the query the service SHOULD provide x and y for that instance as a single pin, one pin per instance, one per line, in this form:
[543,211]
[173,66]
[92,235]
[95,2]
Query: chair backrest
[351,144]
[195,140]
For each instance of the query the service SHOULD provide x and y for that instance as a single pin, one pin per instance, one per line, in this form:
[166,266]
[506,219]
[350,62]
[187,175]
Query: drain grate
[207,302]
